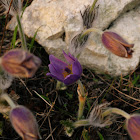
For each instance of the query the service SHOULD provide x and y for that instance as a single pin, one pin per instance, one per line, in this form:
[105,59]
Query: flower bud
[20,63]
[117,45]
[133,126]
[24,123]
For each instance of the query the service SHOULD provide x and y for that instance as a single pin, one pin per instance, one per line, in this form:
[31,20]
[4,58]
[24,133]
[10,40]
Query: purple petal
[133,126]
[24,122]
[56,77]
[69,58]
[76,68]
[118,38]
[113,46]
[15,56]
[72,57]
[70,79]
[57,62]
[56,71]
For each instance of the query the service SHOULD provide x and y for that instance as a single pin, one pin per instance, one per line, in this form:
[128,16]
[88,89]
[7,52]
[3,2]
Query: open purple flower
[66,73]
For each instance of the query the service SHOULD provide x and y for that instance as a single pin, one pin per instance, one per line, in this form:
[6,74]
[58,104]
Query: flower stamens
[67,71]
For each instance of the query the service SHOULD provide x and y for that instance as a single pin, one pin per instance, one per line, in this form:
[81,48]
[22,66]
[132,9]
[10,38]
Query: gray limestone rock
[54,18]
[128,26]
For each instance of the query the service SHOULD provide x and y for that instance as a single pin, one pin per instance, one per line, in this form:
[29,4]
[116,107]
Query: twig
[95,102]
[25,86]
[49,110]
[51,133]
[120,91]
[125,101]
[50,128]
[42,99]
[5,26]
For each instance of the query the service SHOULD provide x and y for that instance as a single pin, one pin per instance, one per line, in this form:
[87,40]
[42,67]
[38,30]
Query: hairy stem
[116,111]
[8,99]
[81,88]
[79,123]
[89,31]
[82,99]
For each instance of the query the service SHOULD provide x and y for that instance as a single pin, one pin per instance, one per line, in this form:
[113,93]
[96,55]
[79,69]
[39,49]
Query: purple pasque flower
[24,123]
[66,73]
[117,45]
[20,63]
[133,126]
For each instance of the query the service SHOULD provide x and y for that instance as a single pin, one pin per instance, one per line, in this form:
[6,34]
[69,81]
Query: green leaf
[95,80]
[100,135]
[85,135]
[25,6]
[45,97]
[136,78]
[32,41]
[14,37]
[70,95]
[88,104]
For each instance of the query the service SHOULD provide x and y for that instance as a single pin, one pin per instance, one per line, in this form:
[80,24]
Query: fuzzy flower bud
[117,45]
[20,63]
[24,123]
[133,126]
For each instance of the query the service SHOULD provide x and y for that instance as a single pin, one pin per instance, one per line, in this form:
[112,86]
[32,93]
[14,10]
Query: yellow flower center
[67,71]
